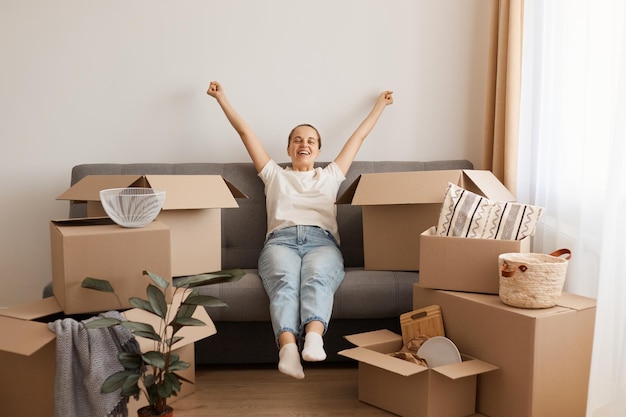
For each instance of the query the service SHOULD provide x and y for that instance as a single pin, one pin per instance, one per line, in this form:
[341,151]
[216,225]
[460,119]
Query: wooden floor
[262,391]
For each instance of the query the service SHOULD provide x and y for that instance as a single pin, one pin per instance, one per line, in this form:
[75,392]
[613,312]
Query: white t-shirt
[301,198]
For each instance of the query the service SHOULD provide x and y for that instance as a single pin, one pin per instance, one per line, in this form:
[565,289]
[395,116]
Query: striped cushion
[466,214]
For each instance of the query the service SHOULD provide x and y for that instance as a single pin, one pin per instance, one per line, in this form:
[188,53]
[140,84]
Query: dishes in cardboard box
[132,206]
[439,351]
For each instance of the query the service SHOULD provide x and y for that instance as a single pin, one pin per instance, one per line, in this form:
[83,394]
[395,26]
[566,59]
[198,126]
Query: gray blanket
[85,358]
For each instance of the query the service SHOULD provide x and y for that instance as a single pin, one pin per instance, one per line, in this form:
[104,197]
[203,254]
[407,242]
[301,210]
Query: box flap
[181,191]
[190,334]
[431,231]
[236,192]
[26,337]
[376,338]
[468,367]
[34,310]
[347,196]
[383,361]
[88,188]
[485,183]
[416,187]
[194,191]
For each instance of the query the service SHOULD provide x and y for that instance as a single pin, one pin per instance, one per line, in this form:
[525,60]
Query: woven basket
[532,280]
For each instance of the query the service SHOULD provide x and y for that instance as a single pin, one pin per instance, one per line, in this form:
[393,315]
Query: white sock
[289,361]
[313,348]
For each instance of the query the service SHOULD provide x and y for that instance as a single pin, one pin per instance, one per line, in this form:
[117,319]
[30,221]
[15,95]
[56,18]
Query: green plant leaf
[186,310]
[141,330]
[173,380]
[131,381]
[97,284]
[157,301]
[130,360]
[132,388]
[154,358]
[157,280]
[149,380]
[148,335]
[173,340]
[170,385]
[178,366]
[204,300]
[136,326]
[227,275]
[116,381]
[101,323]
[188,321]
[141,304]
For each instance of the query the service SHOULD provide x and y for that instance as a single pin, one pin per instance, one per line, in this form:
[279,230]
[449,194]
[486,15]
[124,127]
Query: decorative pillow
[463,213]
[466,214]
[512,221]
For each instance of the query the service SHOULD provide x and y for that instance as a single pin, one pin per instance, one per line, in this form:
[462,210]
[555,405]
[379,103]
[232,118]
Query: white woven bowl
[132,207]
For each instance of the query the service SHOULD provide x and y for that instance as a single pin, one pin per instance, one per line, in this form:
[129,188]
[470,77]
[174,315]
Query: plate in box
[439,351]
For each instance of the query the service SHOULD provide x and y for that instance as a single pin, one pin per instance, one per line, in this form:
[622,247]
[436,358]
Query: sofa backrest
[244,228]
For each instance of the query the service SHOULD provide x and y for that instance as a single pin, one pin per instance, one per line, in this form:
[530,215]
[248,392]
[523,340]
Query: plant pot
[147,412]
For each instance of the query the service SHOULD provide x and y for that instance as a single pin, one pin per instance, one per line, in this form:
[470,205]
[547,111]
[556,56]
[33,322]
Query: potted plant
[153,373]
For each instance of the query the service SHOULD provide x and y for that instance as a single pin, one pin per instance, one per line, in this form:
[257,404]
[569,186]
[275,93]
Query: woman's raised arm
[353,144]
[253,145]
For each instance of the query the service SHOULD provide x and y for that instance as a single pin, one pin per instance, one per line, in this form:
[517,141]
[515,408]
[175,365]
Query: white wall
[124,81]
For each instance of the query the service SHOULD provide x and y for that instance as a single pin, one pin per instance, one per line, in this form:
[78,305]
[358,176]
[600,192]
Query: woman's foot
[289,361]
[313,348]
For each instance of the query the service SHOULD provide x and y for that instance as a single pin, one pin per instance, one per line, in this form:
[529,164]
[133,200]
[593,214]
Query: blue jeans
[301,268]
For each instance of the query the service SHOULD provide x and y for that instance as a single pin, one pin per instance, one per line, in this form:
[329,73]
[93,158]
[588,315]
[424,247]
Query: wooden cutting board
[425,321]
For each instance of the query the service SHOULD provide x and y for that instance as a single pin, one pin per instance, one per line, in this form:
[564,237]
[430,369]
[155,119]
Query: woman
[300,265]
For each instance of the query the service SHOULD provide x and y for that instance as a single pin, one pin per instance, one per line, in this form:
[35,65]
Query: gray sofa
[366,300]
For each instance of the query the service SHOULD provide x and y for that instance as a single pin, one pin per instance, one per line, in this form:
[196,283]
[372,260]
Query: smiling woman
[303,147]
[301,265]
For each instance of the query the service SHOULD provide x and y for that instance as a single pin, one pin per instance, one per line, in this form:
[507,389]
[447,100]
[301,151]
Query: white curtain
[573,162]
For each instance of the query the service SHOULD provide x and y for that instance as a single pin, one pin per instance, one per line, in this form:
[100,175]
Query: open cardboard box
[28,355]
[407,389]
[399,206]
[192,210]
[464,264]
[82,248]
[543,355]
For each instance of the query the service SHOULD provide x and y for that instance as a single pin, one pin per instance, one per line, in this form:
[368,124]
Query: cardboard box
[399,206]
[543,355]
[464,264]
[29,357]
[407,389]
[120,255]
[192,210]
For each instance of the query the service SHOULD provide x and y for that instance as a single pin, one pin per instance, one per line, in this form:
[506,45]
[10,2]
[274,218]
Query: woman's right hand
[215,89]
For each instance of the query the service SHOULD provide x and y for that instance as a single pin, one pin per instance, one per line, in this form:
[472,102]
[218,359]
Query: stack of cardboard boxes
[185,239]
[527,363]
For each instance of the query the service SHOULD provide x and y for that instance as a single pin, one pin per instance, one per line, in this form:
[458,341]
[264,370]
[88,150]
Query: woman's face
[304,147]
